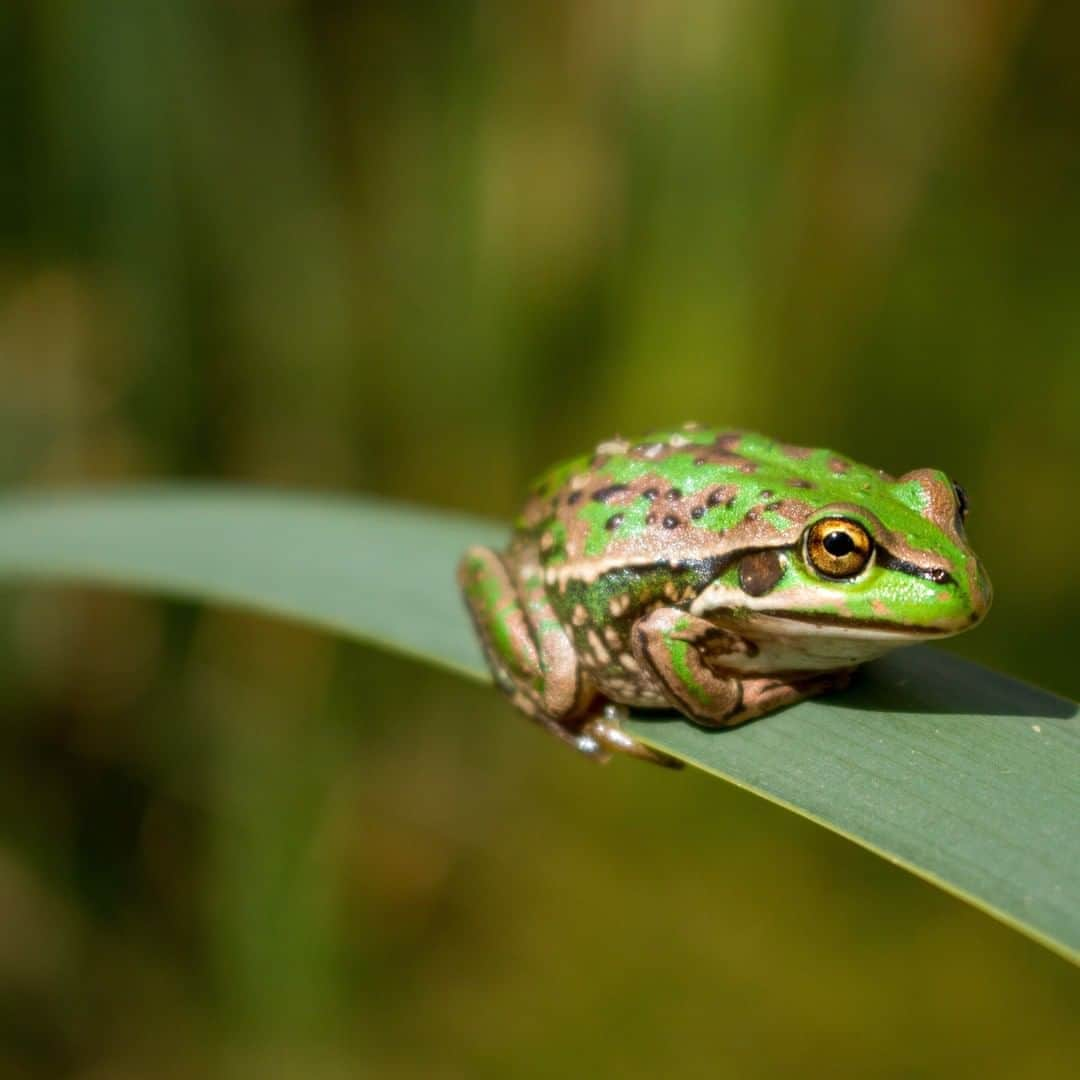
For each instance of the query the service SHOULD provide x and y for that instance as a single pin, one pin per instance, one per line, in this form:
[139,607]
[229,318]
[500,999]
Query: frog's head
[902,562]
[865,560]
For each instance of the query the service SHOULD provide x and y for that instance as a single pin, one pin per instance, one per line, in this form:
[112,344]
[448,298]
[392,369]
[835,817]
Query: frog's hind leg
[529,653]
[605,730]
[534,661]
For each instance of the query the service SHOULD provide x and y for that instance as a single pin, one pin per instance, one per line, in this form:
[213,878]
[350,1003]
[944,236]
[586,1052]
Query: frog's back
[678,496]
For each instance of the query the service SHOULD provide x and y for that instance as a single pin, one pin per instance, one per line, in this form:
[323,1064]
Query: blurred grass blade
[963,776]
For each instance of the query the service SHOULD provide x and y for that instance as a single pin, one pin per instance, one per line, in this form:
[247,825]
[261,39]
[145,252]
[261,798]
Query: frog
[717,572]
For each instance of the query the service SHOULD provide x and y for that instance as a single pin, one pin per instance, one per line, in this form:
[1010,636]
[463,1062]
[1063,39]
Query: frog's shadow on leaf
[925,681]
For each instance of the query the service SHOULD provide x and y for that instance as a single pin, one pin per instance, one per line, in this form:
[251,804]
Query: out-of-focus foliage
[422,250]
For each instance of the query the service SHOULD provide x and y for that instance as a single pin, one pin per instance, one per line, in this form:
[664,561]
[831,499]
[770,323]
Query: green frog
[717,572]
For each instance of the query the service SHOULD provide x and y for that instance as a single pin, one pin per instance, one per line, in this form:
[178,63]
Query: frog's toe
[591,747]
[603,735]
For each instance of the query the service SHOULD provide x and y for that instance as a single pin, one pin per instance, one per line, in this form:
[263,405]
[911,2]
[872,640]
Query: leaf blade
[960,775]
[981,804]
[325,565]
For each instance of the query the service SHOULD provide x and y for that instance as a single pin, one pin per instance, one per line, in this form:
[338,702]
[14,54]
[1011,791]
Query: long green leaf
[963,776]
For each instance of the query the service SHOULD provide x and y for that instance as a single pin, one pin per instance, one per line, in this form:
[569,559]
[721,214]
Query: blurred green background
[422,250]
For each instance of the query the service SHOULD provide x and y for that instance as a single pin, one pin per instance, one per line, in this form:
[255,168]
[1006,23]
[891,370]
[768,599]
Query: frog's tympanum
[719,573]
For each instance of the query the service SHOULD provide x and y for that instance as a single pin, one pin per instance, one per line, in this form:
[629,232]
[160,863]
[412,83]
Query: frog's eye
[961,501]
[838,548]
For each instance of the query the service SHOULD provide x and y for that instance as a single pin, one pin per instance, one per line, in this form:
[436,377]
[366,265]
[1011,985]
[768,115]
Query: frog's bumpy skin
[717,572]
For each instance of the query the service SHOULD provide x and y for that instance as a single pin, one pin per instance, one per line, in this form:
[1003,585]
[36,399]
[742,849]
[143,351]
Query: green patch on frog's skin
[679,651]
[615,599]
[911,495]
[487,600]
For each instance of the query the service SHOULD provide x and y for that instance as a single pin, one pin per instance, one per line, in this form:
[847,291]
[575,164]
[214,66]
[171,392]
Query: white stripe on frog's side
[719,596]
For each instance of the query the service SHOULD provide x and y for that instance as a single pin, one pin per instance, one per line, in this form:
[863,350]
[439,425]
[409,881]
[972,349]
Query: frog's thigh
[529,652]
[669,643]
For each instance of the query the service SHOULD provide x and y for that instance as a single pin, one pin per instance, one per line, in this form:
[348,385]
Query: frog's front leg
[682,651]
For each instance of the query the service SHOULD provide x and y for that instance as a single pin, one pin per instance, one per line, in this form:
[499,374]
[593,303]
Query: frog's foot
[603,735]
[684,652]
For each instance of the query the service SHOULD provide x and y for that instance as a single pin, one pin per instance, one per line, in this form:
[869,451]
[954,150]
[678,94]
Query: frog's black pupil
[838,544]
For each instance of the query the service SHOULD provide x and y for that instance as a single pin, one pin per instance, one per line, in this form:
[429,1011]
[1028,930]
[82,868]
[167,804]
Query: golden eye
[838,548]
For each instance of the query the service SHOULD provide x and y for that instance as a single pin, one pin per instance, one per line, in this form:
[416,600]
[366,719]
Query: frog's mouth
[814,621]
